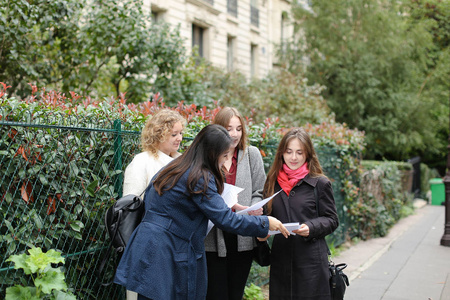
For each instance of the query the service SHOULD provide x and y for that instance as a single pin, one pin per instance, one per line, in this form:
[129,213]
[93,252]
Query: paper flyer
[230,196]
[289,226]
[257,205]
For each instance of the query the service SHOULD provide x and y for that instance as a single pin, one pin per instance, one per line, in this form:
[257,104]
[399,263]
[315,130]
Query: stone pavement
[407,264]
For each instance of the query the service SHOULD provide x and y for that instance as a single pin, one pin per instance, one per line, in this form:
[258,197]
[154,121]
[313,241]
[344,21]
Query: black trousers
[227,276]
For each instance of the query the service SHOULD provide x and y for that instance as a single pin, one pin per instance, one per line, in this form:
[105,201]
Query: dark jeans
[227,276]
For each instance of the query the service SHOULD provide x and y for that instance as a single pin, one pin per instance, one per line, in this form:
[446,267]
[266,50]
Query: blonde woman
[160,141]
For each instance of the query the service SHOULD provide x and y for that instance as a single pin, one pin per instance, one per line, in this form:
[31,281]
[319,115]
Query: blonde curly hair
[157,128]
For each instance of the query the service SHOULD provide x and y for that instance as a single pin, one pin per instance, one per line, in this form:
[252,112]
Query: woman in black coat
[299,264]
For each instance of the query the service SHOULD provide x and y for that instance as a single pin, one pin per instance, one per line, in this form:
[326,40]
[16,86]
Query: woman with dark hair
[165,256]
[299,264]
[160,141]
[229,256]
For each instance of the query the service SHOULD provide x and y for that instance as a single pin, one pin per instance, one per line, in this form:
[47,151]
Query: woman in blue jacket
[165,256]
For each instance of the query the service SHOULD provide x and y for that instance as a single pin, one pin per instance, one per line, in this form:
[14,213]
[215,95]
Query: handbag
[120,221]
[261,253]
[338,280]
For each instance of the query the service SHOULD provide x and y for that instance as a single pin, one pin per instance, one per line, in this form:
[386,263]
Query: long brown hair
[223,118]
[201,158]
[314,167]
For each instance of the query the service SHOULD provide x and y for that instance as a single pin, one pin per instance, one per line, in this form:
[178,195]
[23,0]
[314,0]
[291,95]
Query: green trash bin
[437,191]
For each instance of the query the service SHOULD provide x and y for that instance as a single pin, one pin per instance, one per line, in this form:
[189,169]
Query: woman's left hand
[302,231]
[256,212]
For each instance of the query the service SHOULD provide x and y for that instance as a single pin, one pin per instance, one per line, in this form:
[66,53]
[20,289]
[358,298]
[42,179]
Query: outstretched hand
[276,225]
[302,231]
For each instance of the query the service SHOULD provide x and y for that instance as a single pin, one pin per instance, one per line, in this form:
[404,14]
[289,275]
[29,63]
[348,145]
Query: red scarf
[287,178]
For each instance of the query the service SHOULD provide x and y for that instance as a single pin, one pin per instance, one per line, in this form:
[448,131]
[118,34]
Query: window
[254,13]
[155,17]
[232,8]
[157,14]
[283,31]
[253,60]
[230,53]
[197,40]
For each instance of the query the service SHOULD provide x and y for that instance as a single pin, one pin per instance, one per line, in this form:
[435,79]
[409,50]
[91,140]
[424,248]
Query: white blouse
[141,170]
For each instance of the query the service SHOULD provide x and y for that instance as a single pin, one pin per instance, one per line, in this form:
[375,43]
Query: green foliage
[384,197]
[374,65]
[112,50]
[426,174]
[288,97]
[48,280]
[436,86]
[253,292]
[34,33]
[280,95]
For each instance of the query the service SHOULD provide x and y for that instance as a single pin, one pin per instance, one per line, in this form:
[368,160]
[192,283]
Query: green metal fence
[59,174]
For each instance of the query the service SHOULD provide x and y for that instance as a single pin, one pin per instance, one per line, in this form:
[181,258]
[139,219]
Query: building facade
[233,34]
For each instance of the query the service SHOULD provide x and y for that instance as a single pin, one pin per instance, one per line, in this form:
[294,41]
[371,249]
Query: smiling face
[294,156]
[235,130]
[172,140]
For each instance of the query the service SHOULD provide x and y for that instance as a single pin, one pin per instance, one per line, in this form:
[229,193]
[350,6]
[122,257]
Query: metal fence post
[118,180]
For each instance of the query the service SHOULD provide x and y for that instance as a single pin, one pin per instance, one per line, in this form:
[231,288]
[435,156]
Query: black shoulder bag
[338,280]
[121,219]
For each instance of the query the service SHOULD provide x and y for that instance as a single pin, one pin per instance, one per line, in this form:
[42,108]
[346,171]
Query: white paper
[257,205]
[230,196]
[289,226]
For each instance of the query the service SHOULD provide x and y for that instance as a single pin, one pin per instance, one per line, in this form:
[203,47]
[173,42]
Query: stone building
[236,35]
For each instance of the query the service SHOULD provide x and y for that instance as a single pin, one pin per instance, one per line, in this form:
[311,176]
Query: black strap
[108,255]
[317,211]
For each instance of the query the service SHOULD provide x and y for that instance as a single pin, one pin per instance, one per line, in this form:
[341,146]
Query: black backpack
[120,220]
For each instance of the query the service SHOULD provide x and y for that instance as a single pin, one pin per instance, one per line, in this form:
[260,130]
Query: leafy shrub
[48,280]
[383,198]
[253,292]
[425,175]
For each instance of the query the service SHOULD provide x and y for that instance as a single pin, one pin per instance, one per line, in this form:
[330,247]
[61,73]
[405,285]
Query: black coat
[299,265]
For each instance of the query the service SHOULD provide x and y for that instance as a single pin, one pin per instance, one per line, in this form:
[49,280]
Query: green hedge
[385,196]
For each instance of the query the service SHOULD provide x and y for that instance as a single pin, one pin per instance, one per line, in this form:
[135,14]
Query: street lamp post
[445,240]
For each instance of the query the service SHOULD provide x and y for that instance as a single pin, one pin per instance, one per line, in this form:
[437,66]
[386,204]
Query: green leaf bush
[385,194]
[48,280]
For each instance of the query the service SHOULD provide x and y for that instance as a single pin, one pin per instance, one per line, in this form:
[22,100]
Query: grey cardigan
[250,176]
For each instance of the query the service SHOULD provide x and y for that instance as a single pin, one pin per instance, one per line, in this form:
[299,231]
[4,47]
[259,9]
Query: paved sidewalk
[409,263]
